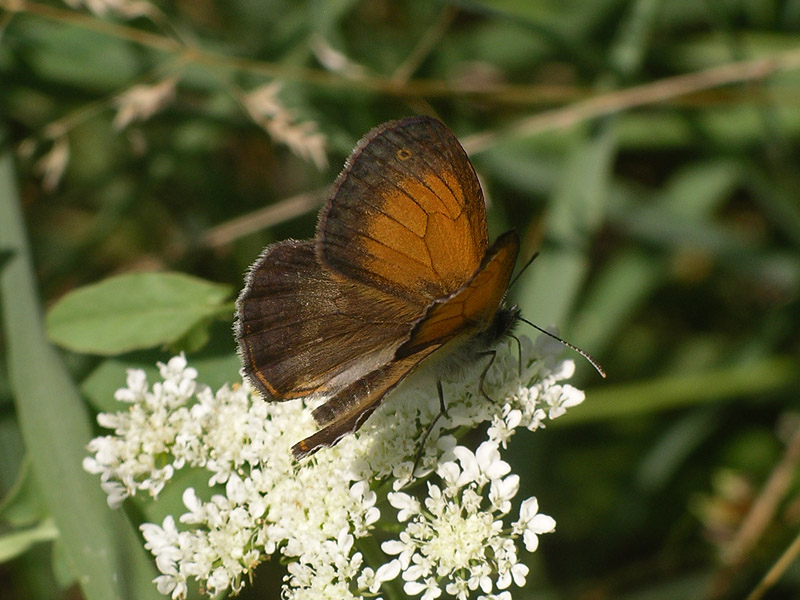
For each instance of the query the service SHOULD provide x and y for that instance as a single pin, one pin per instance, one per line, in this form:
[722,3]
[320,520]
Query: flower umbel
[458,535]
[456,538]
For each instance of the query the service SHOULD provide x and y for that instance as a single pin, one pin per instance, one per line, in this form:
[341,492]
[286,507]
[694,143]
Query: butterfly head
[505,319]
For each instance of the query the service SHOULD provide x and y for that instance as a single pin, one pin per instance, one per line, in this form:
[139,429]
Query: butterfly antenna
[522,270]
[585,355]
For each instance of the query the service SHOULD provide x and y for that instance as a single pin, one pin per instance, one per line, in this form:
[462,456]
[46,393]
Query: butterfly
[399,273]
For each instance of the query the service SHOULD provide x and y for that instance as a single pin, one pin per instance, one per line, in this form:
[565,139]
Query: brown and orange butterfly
[399,270]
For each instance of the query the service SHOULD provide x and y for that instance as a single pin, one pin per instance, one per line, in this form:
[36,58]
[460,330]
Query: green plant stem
[666,393]
[104,551]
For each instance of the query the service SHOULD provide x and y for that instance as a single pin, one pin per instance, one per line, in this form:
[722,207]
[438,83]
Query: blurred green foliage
[649,150]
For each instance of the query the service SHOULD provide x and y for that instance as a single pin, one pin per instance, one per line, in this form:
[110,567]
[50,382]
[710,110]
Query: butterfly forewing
[407,214]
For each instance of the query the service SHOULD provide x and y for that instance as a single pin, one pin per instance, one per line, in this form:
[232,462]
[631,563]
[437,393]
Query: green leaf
[18,542]
[624,282]
[23,504]
[670,392]
[5,257]
[576,212]
[134,311]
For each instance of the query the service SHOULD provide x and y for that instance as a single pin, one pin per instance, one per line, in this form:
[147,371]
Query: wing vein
[361,233]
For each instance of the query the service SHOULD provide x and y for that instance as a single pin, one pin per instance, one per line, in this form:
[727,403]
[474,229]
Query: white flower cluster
[458,534]
[261,502]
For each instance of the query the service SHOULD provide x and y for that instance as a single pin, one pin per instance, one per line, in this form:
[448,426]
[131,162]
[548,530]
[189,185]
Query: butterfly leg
[481,380]
[519,354]
[442,411]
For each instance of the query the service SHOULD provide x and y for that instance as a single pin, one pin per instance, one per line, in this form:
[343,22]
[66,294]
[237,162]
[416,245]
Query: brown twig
[778,569]
[62,15]
[640,95]
[663,90]
[268,216]
[760,515]
[603,104]
[424,46]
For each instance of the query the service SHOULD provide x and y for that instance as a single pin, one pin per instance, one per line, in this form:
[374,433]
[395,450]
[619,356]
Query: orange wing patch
[427,243]
[434,194]
[471,308]
[407,214]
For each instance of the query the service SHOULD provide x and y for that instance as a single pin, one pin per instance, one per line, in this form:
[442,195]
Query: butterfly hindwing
[351,406]
[303,330]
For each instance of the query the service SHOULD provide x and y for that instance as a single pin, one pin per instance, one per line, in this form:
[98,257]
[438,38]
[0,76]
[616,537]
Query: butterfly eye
[403,154]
